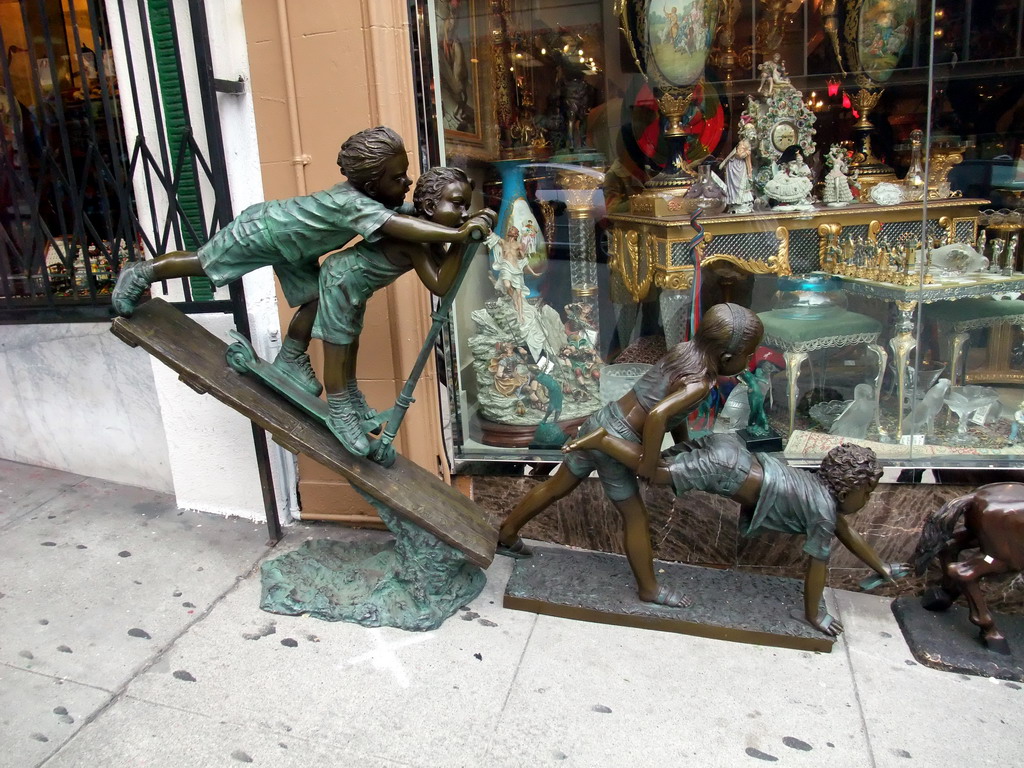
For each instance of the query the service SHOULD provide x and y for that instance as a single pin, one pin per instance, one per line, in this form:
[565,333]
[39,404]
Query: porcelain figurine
[739,171]
[837,191]
[791,182]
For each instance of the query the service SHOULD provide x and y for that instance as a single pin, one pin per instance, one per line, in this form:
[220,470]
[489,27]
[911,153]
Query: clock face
[783,135]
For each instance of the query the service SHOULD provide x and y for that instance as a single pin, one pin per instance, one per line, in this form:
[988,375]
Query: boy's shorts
[246,244]
[344,292]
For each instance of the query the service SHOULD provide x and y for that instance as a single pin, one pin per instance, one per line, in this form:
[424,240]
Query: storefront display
[652,158]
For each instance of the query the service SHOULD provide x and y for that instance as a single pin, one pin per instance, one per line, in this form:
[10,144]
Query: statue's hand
[648,468]
[474,229]
[488,214]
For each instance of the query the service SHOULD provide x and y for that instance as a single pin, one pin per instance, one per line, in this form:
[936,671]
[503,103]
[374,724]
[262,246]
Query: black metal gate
[78,200]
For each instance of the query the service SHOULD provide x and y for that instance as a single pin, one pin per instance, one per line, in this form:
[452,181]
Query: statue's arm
[437,274]
[854,542]
[657,420]
[416,230]
[814,587]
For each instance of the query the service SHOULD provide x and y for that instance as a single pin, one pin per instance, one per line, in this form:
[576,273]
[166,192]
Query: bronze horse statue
[993,523]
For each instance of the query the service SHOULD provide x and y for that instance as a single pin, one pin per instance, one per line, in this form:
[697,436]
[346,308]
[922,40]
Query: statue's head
[850,472]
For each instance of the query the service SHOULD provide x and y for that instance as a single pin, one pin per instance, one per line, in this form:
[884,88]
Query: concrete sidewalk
[130,635]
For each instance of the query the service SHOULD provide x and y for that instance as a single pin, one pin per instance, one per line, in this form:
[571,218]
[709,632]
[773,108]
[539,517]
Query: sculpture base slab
[361,582]
[948,641]
[727,605]
[769,443]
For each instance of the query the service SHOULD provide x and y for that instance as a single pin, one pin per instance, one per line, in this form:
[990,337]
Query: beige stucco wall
[350,69]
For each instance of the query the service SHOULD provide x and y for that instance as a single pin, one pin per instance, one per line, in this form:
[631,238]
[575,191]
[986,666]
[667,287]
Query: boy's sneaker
[362,409]
[132,283]
[344,425]
[293,362]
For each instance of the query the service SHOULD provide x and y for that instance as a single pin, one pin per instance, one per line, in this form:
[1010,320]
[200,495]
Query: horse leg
[942,595]
[967,574]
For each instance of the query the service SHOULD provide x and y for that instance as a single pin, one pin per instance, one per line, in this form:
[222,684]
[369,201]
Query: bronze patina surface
[727,605]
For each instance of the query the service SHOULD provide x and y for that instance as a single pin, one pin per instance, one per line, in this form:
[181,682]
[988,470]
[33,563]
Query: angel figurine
[739,170]
[837,192]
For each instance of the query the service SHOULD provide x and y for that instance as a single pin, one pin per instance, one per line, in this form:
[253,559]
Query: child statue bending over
[659,402]
[292,235]
[772,496]
[348,279]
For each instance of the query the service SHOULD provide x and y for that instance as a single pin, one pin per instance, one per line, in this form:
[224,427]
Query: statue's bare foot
[670,598]
[586,443]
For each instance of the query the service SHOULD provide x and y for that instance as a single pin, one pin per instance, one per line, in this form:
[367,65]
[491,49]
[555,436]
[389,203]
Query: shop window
[851,171]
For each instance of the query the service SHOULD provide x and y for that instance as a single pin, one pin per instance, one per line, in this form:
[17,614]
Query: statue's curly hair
[848,466]
[362,156]
[432,182]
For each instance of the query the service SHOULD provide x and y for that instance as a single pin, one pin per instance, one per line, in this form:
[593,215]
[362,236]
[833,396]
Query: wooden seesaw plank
[198,357]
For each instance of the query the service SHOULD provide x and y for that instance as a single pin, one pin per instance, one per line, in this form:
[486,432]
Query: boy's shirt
[793,501]
[309,226]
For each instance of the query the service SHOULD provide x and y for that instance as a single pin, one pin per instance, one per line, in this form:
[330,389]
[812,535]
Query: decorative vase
[515,212]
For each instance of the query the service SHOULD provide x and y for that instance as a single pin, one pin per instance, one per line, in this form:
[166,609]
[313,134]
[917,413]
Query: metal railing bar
[94,144]
[137,109]
[51,56]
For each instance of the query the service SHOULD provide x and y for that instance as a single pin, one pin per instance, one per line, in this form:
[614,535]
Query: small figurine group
[292,235]
[792,181]
[622,442]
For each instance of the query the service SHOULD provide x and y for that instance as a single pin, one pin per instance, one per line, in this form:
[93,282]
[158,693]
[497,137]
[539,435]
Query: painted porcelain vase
[517,222]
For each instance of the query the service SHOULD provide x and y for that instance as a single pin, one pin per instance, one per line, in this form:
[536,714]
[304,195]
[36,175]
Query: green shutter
[176,124]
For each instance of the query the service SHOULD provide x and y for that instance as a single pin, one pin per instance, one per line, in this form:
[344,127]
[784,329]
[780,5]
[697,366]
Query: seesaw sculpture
[441,538]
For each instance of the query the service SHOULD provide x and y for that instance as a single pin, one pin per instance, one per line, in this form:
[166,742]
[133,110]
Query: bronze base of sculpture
[727,605]
[948,641]
[414,582]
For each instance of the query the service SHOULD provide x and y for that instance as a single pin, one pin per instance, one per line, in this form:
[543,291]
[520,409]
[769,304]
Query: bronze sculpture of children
[659,402]
[348,278]
[773,496]
[292,235]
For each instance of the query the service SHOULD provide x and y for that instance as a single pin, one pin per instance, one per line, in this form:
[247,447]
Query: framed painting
[459,70]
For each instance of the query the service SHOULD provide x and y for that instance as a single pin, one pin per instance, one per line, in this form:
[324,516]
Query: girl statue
[659,402]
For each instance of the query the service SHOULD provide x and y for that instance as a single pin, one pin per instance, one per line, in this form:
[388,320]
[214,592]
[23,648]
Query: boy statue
[292,235]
